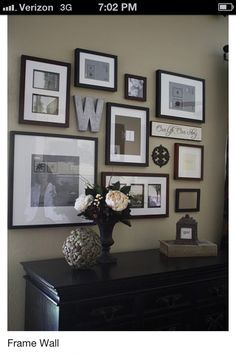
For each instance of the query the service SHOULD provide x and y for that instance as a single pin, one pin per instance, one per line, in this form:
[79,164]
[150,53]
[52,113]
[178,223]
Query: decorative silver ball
[82,247]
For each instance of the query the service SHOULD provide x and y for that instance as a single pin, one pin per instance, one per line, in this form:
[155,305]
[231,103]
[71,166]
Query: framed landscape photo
[149,192]
[95,70]
[47,174]
[188,162]
[180,96]
[135,87]
[44,92]
[127,132]
[187,199]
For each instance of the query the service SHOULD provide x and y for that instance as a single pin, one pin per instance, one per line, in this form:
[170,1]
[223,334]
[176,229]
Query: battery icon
[226,6]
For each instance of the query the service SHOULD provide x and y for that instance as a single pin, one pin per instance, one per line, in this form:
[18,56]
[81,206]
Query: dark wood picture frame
[181,101]
[44,92]
[101,70]
[189,205]
[127,134]
[137,89]
[161,209]
[32,189]
[179,162]
[186,231]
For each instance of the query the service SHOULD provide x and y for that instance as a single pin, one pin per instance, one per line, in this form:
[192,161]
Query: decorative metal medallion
[160,155]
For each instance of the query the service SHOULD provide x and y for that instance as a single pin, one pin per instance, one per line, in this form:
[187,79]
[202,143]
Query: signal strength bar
[9,8]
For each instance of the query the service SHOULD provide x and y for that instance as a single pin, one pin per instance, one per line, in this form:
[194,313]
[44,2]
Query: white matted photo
[188,162]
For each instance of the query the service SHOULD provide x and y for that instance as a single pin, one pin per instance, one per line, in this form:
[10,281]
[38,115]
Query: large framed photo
[188,162]
[127,131]
[44,92]
[95,70]
[135,87]
[149,192]
[180,96]
[47,173]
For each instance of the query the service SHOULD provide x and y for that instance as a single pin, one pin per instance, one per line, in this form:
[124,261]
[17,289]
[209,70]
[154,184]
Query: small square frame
[127,132]
[188,162]
[180,96]
[95,70]
[135,87]
[44,92]
[187,199]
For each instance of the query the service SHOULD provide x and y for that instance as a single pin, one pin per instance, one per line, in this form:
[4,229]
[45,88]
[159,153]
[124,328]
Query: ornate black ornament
[160,155]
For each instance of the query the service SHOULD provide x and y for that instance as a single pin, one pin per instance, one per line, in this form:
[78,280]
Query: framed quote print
[188,162]
[149,192]
[44,92]
[127,132]
[47,174]
[180,97]
[95,70]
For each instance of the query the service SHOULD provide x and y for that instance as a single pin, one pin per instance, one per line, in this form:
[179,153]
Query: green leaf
[116,186]
[125,189]
[126,222]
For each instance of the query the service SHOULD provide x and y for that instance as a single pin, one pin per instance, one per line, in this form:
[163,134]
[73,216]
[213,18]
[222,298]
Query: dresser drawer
[210,291]
[100,314]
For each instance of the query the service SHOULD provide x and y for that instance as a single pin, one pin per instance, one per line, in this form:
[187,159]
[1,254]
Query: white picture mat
[32,65]
[128,180]
[25,146]
[190,162]
[165,110]
[84,80]
[134,113]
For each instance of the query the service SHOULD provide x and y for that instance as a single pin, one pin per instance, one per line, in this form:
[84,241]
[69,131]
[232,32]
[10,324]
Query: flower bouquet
[105,206]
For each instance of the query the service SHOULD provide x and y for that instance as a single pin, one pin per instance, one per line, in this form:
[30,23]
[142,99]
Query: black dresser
[145,290]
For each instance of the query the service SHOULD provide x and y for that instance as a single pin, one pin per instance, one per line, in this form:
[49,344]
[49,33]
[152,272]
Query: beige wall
[190,45]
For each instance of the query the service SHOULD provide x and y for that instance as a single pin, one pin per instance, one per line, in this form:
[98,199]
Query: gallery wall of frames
[58,166]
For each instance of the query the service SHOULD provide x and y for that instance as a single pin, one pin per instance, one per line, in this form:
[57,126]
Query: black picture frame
[95,70]
[184,168]
[44,92]
[43,192]
[187,199]
[180,96]
[186,231]
[146,207]
[127,133]
[135,87]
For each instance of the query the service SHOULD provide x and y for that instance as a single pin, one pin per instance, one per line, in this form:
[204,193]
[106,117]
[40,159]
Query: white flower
[82,203]
[117,200]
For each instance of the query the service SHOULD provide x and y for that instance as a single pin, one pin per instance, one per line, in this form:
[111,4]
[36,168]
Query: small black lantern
[186,231]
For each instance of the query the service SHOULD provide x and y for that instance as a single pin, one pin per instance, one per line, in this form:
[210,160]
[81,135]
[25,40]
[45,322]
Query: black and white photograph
[135,87]
[55,171]
[45,104]
[137,195]
[95,70]
[54,180]
[180,96]
[154,195]
[46,80]
[44,92]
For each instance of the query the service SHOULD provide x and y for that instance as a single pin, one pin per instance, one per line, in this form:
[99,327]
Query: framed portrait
[44,92]
[149,192]
[180,96]
[135,87]
[95,70]
[187,199]
[188,162]
[47,174]
[127,131]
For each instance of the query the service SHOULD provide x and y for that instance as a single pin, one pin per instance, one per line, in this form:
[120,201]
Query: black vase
[107,241]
